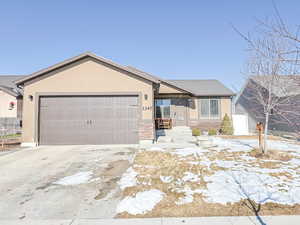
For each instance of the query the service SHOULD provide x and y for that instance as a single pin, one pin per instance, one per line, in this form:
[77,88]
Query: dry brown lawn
[151,165]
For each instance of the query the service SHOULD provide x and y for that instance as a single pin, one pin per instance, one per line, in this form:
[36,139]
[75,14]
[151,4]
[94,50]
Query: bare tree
[273,71]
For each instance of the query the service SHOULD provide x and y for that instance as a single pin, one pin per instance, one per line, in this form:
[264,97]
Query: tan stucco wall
[225,105]
[85,76]
[165,89]
[5,99]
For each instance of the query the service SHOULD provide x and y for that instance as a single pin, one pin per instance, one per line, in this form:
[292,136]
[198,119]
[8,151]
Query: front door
[179,111]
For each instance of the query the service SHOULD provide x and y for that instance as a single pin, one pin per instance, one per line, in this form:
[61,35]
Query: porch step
[180,134]
[166,139]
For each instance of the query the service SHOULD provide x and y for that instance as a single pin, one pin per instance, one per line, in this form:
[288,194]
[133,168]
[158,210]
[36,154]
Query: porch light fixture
[30,97]
[11,106]
[146,97]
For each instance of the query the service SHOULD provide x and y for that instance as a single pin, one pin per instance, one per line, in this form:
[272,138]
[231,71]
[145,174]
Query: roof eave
[216,95]
[10,92]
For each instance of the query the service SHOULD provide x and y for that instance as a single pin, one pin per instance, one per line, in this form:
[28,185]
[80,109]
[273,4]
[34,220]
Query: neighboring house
[285,86]
[10,97]
[91,100]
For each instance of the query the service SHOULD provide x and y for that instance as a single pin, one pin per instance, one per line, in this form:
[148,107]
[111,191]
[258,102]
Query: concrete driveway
[62,182]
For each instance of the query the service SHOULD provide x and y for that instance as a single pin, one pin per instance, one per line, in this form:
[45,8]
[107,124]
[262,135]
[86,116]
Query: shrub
[226,126]
[212,131]
[196,132]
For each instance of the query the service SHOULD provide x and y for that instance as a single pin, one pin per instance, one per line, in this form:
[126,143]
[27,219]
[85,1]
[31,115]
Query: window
[163,108]
[210,108]
[204,107]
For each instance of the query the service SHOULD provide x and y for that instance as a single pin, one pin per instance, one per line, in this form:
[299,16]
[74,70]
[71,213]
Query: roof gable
[57,66]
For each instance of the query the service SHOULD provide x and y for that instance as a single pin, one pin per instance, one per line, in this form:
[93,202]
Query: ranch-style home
[91,100]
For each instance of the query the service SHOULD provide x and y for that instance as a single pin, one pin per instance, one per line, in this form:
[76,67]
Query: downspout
[154,93]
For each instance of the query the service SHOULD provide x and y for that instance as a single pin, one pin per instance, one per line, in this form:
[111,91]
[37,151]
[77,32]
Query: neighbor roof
[82,56]
[7,84]
[282,85]
[203,87]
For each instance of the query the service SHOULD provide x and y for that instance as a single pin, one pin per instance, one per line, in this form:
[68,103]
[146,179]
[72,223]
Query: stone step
[175,135]
[164,139]
[176,131]
[178,134]
[181,128]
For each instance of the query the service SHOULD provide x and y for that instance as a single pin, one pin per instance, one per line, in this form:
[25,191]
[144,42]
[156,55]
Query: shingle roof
[282,85]
[7,84]
[204,87]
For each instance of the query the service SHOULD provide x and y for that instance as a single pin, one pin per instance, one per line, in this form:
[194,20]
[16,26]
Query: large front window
[210,108]
[163,108]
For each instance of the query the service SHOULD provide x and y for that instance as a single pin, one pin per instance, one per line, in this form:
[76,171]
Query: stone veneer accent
[146,130]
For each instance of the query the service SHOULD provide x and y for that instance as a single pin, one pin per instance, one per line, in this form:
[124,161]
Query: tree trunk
[265,146]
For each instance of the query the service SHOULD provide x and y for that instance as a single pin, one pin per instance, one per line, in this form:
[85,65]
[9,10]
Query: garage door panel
[88,120]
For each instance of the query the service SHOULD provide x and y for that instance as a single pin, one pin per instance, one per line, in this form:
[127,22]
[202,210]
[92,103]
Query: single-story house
[285,118]
[10,97]
[88,99]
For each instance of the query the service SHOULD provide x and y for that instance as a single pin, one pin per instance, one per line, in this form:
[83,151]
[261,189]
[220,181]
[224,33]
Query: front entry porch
[172,119]
[171,112]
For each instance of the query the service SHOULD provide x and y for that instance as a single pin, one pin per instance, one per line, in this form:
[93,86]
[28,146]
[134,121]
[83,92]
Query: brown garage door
[88,120]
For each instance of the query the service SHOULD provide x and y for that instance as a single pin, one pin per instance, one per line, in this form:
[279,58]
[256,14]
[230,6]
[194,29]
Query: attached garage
[88,120]
[87,100]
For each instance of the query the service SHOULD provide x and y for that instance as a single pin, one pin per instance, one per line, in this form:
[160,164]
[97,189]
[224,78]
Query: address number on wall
[146,108]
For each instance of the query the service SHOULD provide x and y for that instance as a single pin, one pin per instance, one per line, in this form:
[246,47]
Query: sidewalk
[265,220]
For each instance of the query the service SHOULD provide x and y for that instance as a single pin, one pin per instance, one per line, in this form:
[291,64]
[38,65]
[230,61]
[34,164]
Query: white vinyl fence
[240,124]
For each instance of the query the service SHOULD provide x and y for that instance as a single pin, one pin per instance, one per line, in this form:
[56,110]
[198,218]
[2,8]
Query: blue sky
[172,39]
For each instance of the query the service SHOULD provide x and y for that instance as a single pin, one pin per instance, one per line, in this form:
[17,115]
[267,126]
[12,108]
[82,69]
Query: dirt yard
[230,178]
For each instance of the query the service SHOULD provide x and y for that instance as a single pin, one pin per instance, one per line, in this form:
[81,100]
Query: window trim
[209,117]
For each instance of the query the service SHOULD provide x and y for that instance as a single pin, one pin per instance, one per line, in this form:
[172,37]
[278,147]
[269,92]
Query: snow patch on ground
[189,151]
[78,178]
[188,195]
[166,179]
[225,164]
[231,145]
[156,149]
[248,144]
[188,176]
[128,179]
[232,186]
[141,203]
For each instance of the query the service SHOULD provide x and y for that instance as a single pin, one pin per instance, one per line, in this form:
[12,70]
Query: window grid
[209,108]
